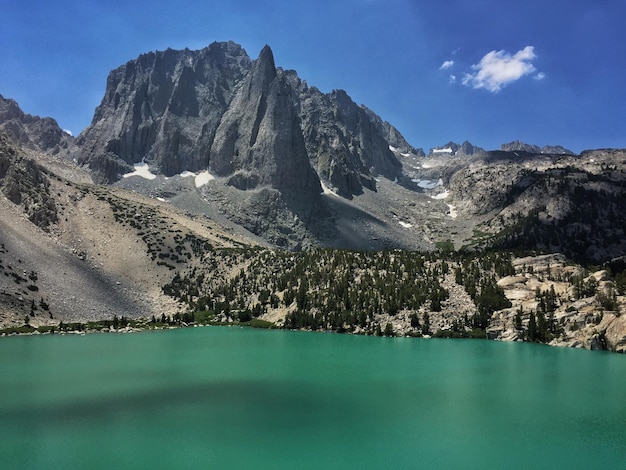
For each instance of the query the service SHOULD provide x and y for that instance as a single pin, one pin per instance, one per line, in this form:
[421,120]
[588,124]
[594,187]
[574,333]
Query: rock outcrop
[259,141]
[24,183]
[546,286]
[560,203]
[32,132]
[164,108]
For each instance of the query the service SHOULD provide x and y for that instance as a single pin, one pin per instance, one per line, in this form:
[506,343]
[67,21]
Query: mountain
[163,107]
[453,149]
[112,253]
[72,251]
[517,146]
[572,204]
[267,139]
[301,168]
[32,132]
[193,110]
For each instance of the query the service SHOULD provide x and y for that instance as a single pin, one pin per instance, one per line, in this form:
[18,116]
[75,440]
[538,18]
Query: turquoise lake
[220,397]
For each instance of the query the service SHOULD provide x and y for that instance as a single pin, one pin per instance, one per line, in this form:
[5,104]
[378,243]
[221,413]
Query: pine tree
[426,324]
[532,328]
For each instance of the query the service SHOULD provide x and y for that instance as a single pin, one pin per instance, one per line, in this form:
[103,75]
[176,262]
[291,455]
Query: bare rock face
[243,119]
[548,202]
[517,146]
[265,135]
[164,108]
[23,182]
[32,132]
[259,141]
[452,149]
[348,145]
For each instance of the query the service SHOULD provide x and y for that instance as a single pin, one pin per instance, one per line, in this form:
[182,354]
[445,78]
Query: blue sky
[487,71]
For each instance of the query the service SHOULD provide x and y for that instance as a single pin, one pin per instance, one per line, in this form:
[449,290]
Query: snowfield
[442,195]
[327,190]
[203,178]
[142,170]
[428,184]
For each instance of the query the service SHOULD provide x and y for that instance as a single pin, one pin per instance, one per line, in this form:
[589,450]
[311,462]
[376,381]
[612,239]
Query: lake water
[221,397]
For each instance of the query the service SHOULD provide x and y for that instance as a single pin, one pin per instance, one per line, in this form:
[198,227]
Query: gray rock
[256,127]
[453,149]
[517,146]
[215,108]
[32,132]
[164,108]
[259,141]
[24,183]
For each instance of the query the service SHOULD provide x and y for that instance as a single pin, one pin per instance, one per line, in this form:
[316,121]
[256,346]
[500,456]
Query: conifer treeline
[341,290]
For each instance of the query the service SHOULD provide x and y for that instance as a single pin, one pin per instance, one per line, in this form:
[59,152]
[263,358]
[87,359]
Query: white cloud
[540,76]
[452,78]
[499,68]
[68,132]
[446,65]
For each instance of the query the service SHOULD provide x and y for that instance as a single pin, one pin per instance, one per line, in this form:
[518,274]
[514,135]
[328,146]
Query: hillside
[96,252]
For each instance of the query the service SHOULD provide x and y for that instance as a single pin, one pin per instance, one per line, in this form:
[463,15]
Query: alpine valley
[213,187]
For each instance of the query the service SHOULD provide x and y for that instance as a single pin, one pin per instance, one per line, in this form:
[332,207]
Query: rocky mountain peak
[33,132]
[263,71]
[259,140]
[517,146]
[189,110]
[266,135]
[456,150]
[164,108]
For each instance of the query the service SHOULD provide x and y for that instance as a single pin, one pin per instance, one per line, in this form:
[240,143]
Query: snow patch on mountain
[142,170]
[427,184]
[442,195]
[327,190]
[203,178]
[453,213]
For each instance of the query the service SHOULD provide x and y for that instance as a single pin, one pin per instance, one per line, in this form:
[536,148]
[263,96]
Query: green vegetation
[123,323]
[20,330]
[445,246]
[340,290]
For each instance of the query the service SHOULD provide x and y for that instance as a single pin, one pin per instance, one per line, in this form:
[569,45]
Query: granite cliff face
[517,146]
[452,149]
[348,145]
[245,120]
[559,202]
[268,140]
[163,107]
[259,141]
